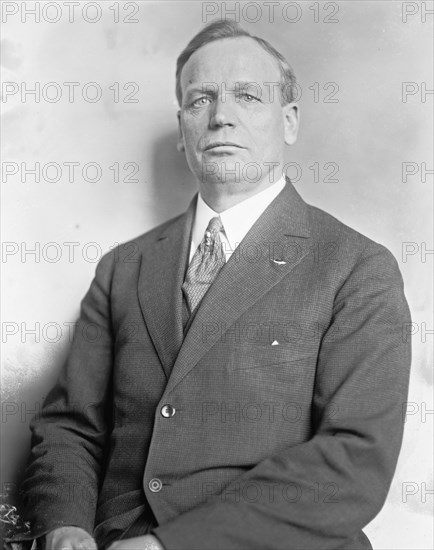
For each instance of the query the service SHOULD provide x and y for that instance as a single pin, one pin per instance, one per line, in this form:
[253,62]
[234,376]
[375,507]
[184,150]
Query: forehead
[230,60]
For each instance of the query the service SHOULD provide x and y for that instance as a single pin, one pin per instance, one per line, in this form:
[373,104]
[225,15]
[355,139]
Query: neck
[221,196]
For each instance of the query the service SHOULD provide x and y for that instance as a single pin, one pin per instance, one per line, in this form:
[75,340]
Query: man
[238,381]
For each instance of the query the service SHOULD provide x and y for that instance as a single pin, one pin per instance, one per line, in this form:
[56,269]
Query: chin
[223,169]
[215,179]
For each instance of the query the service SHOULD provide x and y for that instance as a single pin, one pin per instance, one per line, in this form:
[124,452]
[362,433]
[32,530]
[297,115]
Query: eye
[200,101]
[249,98]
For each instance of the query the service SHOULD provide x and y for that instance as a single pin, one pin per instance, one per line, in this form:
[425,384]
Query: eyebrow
[209,88]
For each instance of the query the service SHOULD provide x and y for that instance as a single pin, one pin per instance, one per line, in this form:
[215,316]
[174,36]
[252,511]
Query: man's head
[234,89]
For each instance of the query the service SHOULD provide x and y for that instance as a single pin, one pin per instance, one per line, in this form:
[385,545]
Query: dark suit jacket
[287,392]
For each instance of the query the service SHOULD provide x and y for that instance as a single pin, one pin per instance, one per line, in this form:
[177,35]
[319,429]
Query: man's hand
[69,538]
[145,542]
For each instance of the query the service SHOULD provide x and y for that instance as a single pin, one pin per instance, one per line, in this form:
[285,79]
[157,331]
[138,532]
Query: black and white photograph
[217,275]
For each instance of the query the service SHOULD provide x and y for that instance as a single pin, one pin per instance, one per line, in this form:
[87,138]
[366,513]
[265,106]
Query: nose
[222,114]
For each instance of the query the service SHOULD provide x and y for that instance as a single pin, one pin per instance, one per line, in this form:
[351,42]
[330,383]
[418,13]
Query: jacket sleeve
[321,493]
[60,485]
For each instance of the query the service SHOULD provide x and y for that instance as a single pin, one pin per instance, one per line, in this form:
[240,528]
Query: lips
[216,144]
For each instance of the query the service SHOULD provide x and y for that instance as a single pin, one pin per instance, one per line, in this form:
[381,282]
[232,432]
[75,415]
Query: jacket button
[155,485]
[167,411]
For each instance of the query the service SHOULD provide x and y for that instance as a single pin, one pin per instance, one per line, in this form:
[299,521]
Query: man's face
[232,124]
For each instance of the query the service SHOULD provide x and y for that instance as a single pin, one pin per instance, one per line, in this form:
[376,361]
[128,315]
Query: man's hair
[219,30]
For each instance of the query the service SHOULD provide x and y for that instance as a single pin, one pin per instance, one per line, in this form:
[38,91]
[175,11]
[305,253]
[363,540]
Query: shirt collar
[236,220]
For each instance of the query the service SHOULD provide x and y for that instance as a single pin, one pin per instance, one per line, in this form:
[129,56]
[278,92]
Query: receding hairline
[225,38]
[225,29]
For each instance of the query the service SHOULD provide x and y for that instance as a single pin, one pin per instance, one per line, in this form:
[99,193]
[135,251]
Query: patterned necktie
[206,263]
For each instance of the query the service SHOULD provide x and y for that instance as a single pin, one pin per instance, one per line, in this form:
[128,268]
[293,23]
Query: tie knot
[215,225]
[212,233]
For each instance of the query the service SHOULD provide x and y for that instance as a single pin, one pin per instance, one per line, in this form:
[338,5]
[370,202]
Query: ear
[180,145]
[291,120]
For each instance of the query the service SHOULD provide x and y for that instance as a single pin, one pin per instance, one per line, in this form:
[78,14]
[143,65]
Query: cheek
[192,134]
[266,127]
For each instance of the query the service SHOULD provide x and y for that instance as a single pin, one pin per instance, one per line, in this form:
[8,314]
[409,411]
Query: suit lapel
[275,244]
[160,295]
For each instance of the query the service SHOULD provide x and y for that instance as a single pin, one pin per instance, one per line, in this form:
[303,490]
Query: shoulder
[127,256]
[348,242]
[361,267]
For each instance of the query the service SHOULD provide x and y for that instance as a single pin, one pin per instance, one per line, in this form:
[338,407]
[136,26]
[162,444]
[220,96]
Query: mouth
[218,144]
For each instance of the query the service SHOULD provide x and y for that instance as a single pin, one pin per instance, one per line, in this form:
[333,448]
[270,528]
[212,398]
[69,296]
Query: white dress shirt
[236,221]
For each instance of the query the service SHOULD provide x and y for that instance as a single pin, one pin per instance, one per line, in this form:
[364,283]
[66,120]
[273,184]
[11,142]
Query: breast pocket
[270,356]
[285,373]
